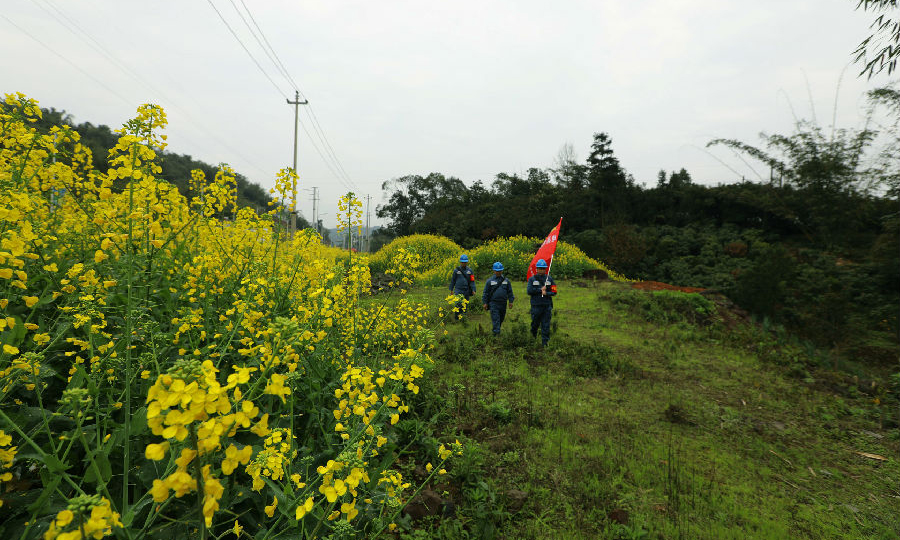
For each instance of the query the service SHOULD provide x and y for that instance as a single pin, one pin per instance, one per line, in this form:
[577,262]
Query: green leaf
[50,482]
[139,422]
[102,463]
[18,332]
[53,463]
[128,517]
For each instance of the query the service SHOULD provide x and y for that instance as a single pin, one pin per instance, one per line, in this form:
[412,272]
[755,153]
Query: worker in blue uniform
[541,288]
[497,293]
[462,284]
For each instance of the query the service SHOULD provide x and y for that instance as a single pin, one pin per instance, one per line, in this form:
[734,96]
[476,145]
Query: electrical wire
[324,138]
[260,43]
[324,160]
[222,18]
[63,58]
[337,167]
[280,64]
[87,38]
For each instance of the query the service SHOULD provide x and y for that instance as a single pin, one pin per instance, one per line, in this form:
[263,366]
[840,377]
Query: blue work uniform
[462,282]
[541,306]
[497,292]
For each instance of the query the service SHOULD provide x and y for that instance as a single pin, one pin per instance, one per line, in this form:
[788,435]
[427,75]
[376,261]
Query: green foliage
[437,256]
[592,360]
[664,307]
[783,248]
[668,432]
[501,411]
[878,54]
[762,286]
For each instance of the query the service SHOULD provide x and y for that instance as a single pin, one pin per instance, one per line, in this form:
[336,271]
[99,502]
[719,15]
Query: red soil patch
[657,286]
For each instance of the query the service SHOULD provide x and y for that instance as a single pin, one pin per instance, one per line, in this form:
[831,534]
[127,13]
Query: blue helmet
[463,258]
[498,266]
[541,264]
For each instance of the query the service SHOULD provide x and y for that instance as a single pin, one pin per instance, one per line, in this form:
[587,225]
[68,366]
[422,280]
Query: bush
[668,306]
[430,249]
[436,257]
[591,360]
[516,253]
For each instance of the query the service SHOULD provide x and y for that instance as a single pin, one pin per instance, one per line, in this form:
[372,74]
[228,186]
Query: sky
[466,88]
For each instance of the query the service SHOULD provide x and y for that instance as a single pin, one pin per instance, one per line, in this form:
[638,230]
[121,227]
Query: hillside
[651,415]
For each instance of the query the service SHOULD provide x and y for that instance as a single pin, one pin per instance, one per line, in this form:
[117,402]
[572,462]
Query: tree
[414,196]
[889,99]
[569,173]
[661,179]
[825,178]
[608,181]
[887,31]
[176,168]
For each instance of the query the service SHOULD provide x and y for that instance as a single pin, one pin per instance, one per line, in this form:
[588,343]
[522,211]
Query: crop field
[177,367]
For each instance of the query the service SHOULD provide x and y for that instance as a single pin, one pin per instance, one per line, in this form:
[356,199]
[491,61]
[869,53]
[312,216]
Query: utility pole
[368,237]
[292,225]
[315,198]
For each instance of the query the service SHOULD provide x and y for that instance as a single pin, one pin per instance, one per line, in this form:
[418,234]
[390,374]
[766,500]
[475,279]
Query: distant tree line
[814,244]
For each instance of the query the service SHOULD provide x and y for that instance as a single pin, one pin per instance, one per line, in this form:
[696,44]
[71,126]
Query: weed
[501,411]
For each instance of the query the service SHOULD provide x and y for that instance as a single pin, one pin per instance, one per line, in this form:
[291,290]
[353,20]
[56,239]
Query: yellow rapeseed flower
[304,508]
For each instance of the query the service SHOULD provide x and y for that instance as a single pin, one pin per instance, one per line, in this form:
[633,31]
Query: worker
[541,288]
[497,292]
[462,284]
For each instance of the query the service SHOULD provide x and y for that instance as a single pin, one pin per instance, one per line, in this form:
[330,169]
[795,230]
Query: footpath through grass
[652,415]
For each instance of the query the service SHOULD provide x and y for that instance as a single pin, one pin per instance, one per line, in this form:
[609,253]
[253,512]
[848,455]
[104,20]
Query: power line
[324,160]
[324,138]
[246,50]
[258,41]
[123,67]
[280,64]
[63,58]
[276,61]
[338,169]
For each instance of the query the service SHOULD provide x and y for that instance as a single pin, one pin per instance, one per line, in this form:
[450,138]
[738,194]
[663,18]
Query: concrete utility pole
[315,198]
[292,224]
[368,237]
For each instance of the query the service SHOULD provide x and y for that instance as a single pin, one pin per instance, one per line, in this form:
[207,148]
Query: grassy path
[637,423]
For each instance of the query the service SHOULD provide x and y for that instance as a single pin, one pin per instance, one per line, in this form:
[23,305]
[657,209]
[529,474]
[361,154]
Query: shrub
[668,306]
[431,250]
[438,256]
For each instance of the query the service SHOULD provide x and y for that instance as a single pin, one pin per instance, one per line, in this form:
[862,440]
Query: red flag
[546,251]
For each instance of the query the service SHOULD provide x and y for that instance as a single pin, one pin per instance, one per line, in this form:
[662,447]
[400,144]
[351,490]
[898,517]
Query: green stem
[129,330]
[39,450]
[96,469]
[46,422]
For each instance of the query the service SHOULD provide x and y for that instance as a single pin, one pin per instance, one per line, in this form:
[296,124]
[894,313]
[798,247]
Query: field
[174,366]
[655,415]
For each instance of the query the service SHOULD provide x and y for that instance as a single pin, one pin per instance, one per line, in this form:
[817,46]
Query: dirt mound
[658,286]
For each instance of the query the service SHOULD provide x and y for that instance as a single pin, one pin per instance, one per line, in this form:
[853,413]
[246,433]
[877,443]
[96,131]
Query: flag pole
[549,266]
[557,238]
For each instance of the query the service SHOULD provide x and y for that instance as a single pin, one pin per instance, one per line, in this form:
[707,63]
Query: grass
[655,417]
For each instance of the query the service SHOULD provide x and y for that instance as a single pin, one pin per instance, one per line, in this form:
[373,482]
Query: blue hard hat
[498,266]
[541,264]
[463,258]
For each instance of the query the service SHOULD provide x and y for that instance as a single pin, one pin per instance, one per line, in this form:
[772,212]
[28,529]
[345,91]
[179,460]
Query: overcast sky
[464,88]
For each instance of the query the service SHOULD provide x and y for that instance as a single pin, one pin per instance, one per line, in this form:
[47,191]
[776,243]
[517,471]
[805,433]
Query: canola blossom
[171,362]
[429,259]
